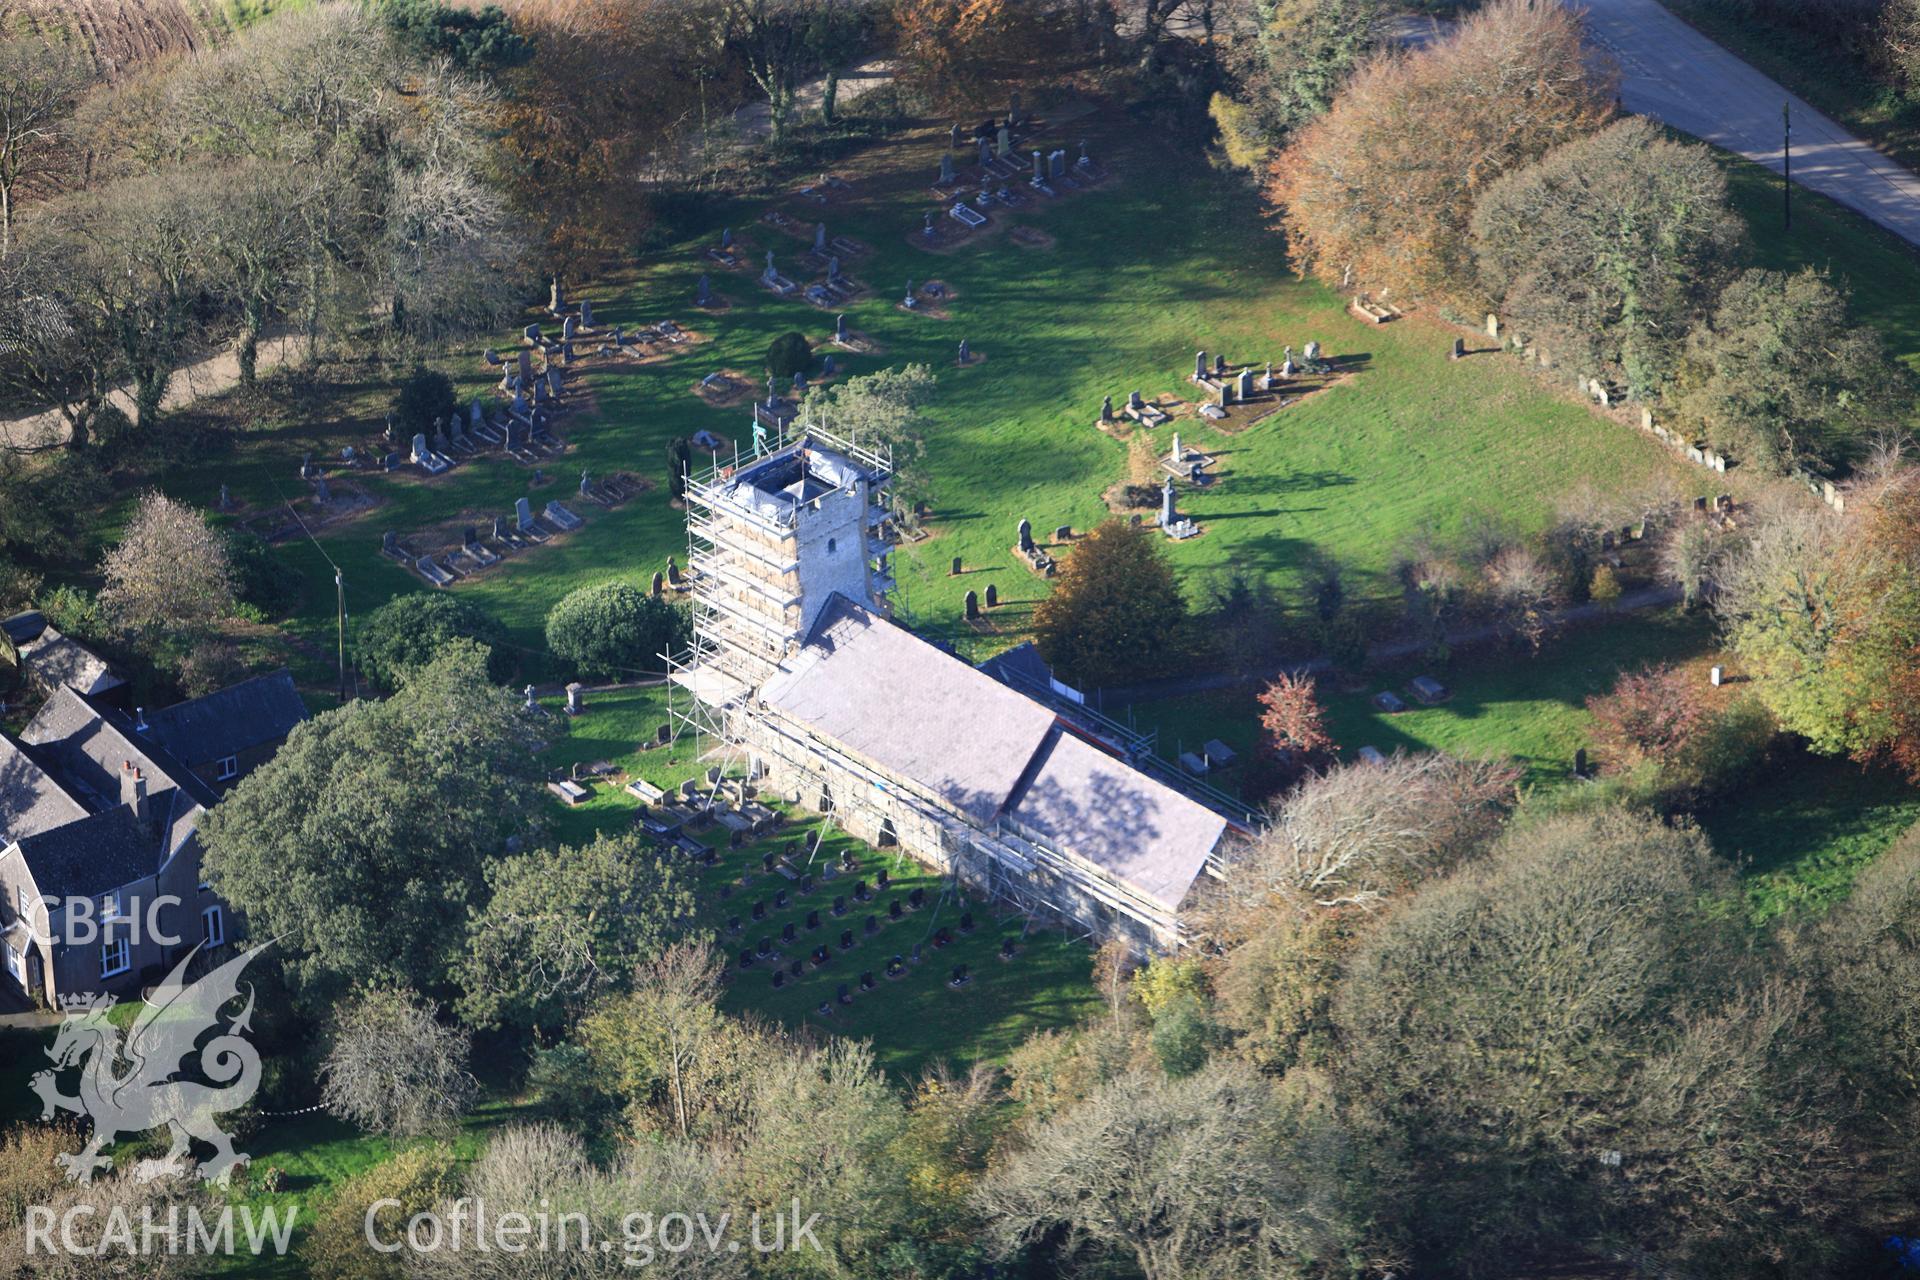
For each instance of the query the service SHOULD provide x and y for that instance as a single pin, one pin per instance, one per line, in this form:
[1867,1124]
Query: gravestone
[1026,535]
[1063,533]
[972,605]
[1493,325]
[840,328]
[704,294]
[993,595]
[1167,513]
[1106,409]
[926,228]
[1057,164]
[1458,350]
[522,514]
[659,584]
[946,170]
[556,297]
[820,239]
[1716,676]
[726,237]
[1005,141]
[827,366]
[953,137]
[575,702]
[1246,384]
[1199,364]
[954,572]
[986,153]
[321,492]
[226,499]
[965,354]
[1037,178]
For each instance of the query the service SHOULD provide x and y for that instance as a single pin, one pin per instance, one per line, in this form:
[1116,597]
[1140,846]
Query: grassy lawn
[1801,833]
[1532,711]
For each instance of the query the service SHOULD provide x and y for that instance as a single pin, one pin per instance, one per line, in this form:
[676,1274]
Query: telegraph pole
[1786,162]
[340,598]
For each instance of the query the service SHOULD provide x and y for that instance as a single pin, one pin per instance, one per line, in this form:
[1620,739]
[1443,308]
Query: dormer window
[832,546]
[110,906]
[229,768]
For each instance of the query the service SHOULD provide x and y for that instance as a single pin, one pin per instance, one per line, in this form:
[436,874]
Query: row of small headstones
[1604,396]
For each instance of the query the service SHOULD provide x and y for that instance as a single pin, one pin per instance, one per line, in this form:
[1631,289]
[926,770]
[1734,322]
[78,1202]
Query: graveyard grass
[913,1021]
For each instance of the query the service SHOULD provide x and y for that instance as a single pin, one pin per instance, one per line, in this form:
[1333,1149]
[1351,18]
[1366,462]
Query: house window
[229,768]
[831,546]
[110,906]
[213,926]
[26,904]
[17,966]
[115,957]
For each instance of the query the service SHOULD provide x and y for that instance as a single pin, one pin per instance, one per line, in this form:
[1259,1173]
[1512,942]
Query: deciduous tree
[563,925]
[169,574]
[1610,249]
[392,1067]
[1115,612]
[1378,192]
[1780,376]
[361,845]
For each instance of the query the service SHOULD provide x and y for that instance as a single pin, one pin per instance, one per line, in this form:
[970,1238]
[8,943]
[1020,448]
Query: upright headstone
[953,137]
[986,153]
[726,237]
[1167,513]
[1005,143]
[1458,349]
[525,367]
[1199,364]
[1036,168]
[840,327]
[926,227]
[1106,409]
[522,514]
[1246,384]
[1013,107]
[973,605]
[946,170]
[820,238]
[226,499]
[704,293]
[993,595]
[575,704]
[586,313]
[556,298]
[965,354]
[1026,534]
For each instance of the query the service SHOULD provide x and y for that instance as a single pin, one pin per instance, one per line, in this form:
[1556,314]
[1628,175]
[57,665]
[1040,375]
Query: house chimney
[139,719]
[133,790]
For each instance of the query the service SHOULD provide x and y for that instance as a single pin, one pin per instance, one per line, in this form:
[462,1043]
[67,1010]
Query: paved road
[1673,73]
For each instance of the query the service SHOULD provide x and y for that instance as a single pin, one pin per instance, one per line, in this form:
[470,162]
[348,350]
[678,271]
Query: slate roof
[24,627]
[100,852]
[31,800]
[233,720]
[928,718]
[1136,829]
[918,713]
[1020,663]
[58,661]
[79,742]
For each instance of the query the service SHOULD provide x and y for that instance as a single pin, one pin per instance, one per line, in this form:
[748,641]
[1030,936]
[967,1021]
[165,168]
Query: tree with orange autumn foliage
[960,53]
[1379,192]
[608,82]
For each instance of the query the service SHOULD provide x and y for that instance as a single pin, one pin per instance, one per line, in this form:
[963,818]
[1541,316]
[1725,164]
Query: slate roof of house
[59,661]
[1081,799]
[85,742]
[31,800]
[233,720]
[24,627]
[99,852]
[928,718]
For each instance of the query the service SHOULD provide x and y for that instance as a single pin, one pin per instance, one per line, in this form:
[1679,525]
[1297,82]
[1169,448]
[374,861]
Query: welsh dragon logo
[127,1086]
